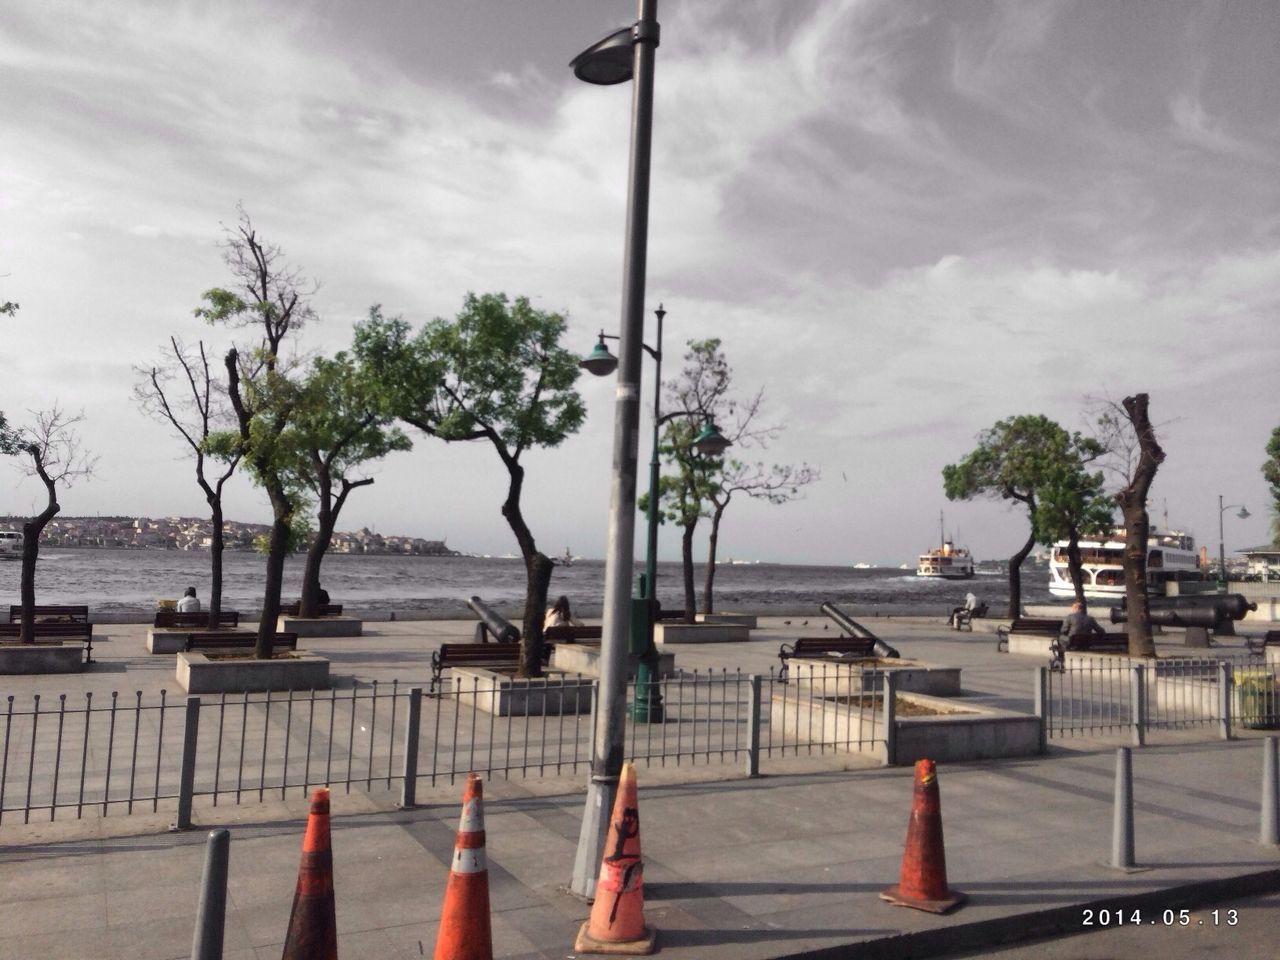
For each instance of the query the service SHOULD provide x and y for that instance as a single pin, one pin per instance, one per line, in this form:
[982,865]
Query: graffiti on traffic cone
[313,925]
[922,882]
[617,915]
[465,933]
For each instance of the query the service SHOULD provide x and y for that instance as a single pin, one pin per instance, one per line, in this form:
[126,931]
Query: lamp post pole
[1222,550]
[609,741]
[648,704]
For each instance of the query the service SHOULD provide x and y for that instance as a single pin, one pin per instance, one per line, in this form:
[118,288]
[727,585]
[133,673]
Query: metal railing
[1102,696]
[127,755]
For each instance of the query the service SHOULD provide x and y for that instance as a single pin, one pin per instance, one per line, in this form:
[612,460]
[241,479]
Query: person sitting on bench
[1077,621]
[559,615]
[189,603]
[968,610]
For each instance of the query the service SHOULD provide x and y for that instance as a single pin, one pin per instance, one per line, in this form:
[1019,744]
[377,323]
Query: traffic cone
[617,915]
[922,882]
[313,925]
[465,933]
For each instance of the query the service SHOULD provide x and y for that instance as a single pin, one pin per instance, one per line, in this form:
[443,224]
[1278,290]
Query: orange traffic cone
[617,915]
[313,925]
[922,882]
[465,933]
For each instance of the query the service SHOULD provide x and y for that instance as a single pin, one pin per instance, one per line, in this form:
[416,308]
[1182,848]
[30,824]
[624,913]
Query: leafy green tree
[495,373]
[1271,473]
[272,300]
[1073,504]
[1014,460]
[342,419]
[183,392]
[51,452]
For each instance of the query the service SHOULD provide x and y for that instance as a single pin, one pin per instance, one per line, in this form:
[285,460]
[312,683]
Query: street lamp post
[627,54]
[1222,550]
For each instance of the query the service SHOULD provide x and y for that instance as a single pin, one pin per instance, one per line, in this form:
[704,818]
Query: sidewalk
[733,868]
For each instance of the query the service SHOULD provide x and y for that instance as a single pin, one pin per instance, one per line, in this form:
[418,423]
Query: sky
[904,220]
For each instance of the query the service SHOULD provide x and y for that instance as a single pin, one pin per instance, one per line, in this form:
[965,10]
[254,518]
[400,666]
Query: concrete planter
[700,633]
[41,658]
[584,658]
[321,626]
[747,620]
[835,678]
[507,696]
[1029,645]
[955,733]
[174,639]
[302,671]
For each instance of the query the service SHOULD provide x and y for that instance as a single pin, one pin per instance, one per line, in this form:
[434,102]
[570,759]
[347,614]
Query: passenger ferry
[10,545]
[948,562]
[1171,555]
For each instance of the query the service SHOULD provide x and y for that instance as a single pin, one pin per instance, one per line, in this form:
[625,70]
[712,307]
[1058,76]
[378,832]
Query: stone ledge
[174,639]
[196,673]
[321,626]
[41,658]
[700,633]
[747,620]
[584,658]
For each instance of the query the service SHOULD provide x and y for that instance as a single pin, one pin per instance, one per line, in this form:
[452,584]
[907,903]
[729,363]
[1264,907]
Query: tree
[51,447]
[273,299]
[341,420]
[495,373]
[1073,504]
[1271,473]
[1126,432]
[1014,460]
[184,393]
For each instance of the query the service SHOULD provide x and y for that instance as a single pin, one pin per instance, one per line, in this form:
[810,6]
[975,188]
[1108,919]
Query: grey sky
[905,221]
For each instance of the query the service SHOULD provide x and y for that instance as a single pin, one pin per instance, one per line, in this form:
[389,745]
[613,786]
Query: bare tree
[185,394]
[50,448]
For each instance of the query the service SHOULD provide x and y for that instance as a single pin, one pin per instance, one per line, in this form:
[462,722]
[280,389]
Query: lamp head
[599,362]
[607,61]
[1244,513]
[710,442]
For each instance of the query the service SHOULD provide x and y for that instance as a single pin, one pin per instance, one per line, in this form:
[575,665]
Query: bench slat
[78,613]
[45,631]
[237,641]
[166,619]
[478,655]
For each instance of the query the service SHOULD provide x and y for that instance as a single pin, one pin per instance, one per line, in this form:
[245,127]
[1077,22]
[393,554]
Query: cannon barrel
[493,622]
[1202,616]
[853,628]
[1229,606]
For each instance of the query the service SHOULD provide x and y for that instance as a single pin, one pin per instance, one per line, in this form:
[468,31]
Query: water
[125,584]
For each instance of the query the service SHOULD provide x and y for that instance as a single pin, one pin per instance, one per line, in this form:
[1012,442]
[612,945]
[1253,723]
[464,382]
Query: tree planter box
[174,639]
[41,658]
[504,695]
[299,671]
[321,626]
[835,678]
[584,658]
[747,620]
[700,633]
[953,733]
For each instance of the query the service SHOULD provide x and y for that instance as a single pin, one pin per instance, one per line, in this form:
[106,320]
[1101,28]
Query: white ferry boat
[10,545]
[948,562]
[1171,555]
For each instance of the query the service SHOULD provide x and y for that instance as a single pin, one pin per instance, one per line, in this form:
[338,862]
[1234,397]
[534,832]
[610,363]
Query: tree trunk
[277,551]
[31,531]
[1137,526]
[310,602]
[686,555]
[215,563]
[710,578]
[538,570]
[1075,567]
[1015,577]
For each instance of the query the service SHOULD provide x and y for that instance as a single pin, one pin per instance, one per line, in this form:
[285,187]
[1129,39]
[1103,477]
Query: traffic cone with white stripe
[465,932]
[617,915]
[313,922]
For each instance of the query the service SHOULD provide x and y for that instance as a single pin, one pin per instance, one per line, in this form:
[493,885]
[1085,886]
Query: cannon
[492,624]
[853,628]
[1204,611]
[1205,616]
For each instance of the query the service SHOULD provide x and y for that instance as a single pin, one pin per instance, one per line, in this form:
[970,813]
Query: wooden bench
[572,634]
[1034,626]
[51,632]
[488,655]
[1101,643]
[71,613]
[1259,644]
[324,610]
[176,619]
[850,647]
[238,641]
[669,616]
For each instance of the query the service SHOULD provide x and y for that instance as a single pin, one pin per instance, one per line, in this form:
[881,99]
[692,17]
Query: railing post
[1139,705]
[409,786]
[1269,832]
[1042,705]
[1226,681]
[753,726]
[187,779]
[890,687]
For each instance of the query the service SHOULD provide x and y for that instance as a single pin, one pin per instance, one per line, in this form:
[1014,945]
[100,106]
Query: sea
[124,585]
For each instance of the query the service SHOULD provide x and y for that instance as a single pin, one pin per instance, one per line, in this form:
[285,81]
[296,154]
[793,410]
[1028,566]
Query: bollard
[1270,833]
[1122,820]
[211,910]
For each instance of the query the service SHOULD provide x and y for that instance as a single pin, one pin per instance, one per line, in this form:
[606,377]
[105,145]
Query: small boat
[947,562]
[567,559]
[10,545]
